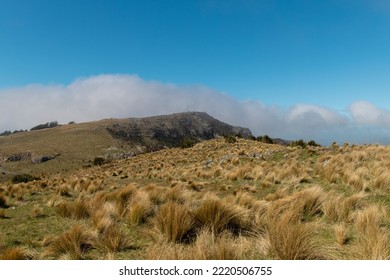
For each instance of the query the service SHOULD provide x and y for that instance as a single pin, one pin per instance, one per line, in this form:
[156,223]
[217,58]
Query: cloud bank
[121,96]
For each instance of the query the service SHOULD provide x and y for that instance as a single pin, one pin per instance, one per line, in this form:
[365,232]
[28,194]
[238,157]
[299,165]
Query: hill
[65,148]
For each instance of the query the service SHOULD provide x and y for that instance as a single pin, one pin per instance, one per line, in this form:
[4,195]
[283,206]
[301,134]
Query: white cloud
[121,96]
[364,113]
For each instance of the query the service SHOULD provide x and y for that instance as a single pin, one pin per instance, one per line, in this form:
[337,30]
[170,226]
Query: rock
[41,159]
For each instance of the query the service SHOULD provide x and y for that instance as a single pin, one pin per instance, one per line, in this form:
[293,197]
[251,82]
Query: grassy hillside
[63,149]
[216,200]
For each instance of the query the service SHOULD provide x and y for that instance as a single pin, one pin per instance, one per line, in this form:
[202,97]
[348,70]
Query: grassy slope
[77,145]
[245,200]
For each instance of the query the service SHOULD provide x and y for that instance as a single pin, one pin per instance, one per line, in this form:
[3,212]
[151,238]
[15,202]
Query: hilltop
[65,148]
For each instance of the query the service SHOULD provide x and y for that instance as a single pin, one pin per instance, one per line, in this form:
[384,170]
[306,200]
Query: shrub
[265,139]
[299,143]
[99,161]
[187,142]
[313,143]
[23,178]
[230,139]
[46,125]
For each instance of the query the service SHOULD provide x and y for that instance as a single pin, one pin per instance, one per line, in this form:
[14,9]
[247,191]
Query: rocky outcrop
[41,159]
[171,130]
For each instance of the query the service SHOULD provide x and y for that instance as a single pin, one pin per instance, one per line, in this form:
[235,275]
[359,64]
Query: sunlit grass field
[215,200]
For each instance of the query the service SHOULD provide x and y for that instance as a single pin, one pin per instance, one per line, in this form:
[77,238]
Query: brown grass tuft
[221,215]
[113,240]
[37,212]
[293,240]
[3,201]
[73,244]
[341,234]
[173,223]
[16,254]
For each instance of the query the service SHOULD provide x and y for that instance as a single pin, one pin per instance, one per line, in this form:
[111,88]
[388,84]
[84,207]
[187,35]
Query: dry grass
[291,239]
[37,212]
[78,209]
[246,200]
[173,223]
[16,254]
[218,216]
[72,244]
[341,234]
[113,240]
[3,201]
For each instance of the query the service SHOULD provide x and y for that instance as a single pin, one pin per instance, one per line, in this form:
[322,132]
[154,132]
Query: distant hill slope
[171,130]
[68,147]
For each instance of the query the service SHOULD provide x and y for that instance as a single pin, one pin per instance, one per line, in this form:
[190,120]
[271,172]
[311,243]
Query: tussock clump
[104,216]
[291,239]
[113,240]
[140,209]
[382,181]
[37,212]
[368,221]
[123,198]
[72,244]
[341,234]
[178,194]
[65,190]
[338,208]
[221,215]
[173,223]
[222,247]
[3,201]
[310,201]
[78,209]
[2,214]
[371,247]
[16,254]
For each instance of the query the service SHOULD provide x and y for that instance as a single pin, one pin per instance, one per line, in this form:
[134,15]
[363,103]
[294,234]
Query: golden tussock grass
[104,216]
[341,234]
[37,212]
[207,246]
[16,254]
[291,239]
[78,209]
[173,222]
[2,214]
[140,209]
[220,215]
[371,247]
[72,244]
[338,208]
[123,198]
[113,240]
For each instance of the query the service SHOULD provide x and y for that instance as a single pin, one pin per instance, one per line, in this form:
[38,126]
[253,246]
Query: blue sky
[278,53]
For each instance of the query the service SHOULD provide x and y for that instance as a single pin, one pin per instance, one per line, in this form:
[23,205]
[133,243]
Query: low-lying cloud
[121,96]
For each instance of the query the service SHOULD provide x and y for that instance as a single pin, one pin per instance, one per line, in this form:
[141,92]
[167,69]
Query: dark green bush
[46,125]
[23,178]
[230,139]
[187,142]
[99,161]
[313,143]
[265,139]
[299,143]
